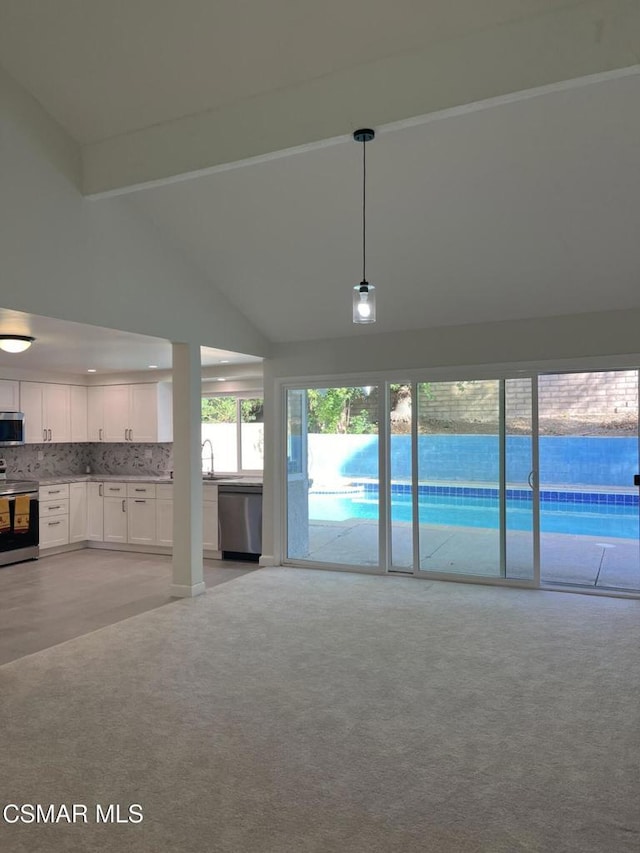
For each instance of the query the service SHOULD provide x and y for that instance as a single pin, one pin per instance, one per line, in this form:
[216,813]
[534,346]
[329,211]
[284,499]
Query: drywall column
[187,472]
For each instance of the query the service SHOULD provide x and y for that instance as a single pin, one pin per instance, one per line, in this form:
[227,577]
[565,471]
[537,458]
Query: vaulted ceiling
[503,182]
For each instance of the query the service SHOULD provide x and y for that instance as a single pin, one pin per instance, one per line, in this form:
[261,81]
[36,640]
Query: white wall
[97,262]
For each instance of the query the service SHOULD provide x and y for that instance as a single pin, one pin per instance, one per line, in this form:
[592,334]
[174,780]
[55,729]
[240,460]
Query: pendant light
[364,294]
[15,343]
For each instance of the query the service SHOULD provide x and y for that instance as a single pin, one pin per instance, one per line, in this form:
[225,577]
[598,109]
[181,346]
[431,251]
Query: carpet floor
[308,711]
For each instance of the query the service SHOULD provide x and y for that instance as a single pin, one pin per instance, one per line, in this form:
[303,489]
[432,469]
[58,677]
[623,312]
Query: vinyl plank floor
[54,599]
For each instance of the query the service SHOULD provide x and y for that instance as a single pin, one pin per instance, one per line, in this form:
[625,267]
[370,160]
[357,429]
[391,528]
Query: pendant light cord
[364,209]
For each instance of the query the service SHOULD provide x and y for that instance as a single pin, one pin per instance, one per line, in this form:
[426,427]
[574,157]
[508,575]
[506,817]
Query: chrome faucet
[208,441]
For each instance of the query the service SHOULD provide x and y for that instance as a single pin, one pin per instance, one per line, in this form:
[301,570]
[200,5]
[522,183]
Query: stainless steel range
[18,541]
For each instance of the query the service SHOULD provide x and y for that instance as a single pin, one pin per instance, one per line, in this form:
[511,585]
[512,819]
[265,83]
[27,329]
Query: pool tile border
[525,495]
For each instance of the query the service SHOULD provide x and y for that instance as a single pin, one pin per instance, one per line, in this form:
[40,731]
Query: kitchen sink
[220,476]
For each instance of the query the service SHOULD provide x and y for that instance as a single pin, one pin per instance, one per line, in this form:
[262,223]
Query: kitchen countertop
[135,478]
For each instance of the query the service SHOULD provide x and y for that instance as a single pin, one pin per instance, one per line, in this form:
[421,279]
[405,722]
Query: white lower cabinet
[77,512]
[54,531]
[95,512]
[164,518]
[141,521]
[53,507]
[124,513]
[114,515]
[210,538]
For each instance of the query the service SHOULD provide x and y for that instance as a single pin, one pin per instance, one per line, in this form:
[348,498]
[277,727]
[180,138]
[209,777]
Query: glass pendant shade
[364,294]
[364,303]
[15,343]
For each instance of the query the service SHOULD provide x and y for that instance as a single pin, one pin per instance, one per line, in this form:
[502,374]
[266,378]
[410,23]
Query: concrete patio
[587,561]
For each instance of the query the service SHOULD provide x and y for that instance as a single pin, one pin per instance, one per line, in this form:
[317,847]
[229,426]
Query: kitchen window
[235,427]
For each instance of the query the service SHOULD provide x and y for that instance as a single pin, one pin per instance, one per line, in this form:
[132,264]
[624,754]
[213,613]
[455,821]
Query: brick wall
[607,396]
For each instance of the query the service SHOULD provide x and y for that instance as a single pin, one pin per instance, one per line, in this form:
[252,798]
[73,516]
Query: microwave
[11,428]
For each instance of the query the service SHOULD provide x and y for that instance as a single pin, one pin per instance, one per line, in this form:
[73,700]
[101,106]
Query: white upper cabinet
[79,413]
[95,412]
[116,413]
[31,400]
[140,412]
[9,396]
[47,412]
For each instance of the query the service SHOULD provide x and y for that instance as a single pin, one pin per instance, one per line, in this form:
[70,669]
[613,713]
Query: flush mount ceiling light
[15,343]
[364,294]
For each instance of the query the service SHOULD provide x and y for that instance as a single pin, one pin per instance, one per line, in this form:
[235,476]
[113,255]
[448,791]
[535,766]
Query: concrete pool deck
[594,562]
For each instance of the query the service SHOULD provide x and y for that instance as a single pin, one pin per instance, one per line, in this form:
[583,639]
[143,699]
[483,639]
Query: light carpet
[299,710]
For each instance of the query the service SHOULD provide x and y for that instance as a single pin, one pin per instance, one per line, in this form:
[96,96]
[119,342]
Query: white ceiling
[74,348]
[108,68]
[524,209]
[521,208]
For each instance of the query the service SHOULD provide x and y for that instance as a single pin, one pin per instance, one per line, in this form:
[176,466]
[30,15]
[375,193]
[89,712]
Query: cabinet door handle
[54,507]
[100,434]
[54,492]
[114,488]
[130,435]
[100,492]
[44,434]
[138,501]
[124,509]
[139,490]
[53,523]
[49,435]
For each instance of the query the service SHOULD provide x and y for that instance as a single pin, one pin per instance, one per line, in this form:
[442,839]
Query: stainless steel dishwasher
[240,515]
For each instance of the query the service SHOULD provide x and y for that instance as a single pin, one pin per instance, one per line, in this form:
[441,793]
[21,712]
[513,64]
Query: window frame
[239,397]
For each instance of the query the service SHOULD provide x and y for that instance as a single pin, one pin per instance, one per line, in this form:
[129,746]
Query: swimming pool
[596,517]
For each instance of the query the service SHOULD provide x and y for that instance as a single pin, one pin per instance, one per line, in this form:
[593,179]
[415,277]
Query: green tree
[331,410]
[219,410]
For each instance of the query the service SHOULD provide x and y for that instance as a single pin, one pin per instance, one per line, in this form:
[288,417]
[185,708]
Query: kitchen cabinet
[47,412]
[116,413]
[95,512]
[54,515]
[164,519]
[141,511]
[139,412]
[9,396]
[210,538]
[79,410]
[141,522]
[77,512]
[95,412]
[135,513]
[115,512]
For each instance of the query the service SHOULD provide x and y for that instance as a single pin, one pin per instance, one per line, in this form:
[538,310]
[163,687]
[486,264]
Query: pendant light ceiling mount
[365,134]
[364,294]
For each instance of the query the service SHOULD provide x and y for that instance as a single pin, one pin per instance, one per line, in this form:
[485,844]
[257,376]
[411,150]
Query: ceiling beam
[599,37]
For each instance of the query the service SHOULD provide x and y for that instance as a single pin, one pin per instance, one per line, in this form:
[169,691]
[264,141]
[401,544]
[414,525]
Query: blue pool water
[576,517]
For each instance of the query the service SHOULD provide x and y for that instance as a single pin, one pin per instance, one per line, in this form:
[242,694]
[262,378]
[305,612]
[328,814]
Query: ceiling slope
[523,209]
[156,90]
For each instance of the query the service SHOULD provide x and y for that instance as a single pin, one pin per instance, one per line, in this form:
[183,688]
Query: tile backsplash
[126,459]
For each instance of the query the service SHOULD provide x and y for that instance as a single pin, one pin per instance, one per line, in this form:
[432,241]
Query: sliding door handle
[530,478]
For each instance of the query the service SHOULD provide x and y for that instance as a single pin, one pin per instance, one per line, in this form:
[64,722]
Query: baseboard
[267,561]
[136,549]
[178,590]
[62,549]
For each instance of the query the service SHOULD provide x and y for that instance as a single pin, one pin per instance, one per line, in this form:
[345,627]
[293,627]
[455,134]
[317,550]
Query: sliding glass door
[590,529]
[525,480]
[332,476]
